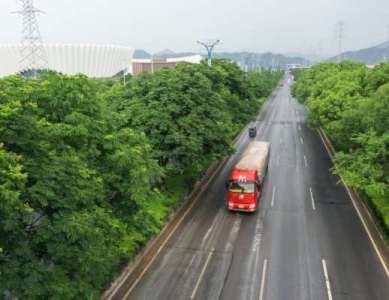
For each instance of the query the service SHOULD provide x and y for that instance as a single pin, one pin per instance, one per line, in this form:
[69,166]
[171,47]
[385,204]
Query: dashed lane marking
[327,279]
[263,279]
[202,274]
[312,199]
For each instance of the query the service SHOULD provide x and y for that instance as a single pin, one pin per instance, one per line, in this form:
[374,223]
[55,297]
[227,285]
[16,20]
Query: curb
[133,272]
[364,213]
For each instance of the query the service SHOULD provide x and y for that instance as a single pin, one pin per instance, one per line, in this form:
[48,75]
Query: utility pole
[32,52]
[339,33]
[209,46]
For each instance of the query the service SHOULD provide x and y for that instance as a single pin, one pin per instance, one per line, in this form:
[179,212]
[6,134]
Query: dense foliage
[91,169]
[351,103]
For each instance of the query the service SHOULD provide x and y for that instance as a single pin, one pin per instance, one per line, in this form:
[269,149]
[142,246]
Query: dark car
[253,132]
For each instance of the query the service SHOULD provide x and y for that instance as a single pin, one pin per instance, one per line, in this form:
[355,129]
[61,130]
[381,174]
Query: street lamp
[209,47]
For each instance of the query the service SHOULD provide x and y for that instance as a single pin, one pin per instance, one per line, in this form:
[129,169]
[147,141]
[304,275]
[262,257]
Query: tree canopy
[351,103]
[90,169]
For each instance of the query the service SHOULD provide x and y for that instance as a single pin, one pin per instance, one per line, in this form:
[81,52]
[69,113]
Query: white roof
[195,59]
[91,60]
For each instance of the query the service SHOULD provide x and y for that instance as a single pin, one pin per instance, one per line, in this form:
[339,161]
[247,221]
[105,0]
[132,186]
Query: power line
[32,52]
[209,46]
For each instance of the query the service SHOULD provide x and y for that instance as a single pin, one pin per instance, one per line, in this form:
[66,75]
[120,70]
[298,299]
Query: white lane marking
[305,161]
[299,127]
[353,201]
[328,284]
[202,274]
[312,199]
[188,268]
[257,238]
[208,233]
[301,141]
[273,196]
[261,291]
[160,248]
[214,222]
[191,261]
[233,234]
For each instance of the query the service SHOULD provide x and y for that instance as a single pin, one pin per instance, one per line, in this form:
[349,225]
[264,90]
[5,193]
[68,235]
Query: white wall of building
[194,59]
[92,60]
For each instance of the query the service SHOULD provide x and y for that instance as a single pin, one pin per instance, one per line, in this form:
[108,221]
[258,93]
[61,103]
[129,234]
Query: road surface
[305,242]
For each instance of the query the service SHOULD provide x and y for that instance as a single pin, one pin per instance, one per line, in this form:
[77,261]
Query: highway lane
[305,242]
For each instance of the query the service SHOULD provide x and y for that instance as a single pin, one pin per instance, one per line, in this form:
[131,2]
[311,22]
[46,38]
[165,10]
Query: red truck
[245,183]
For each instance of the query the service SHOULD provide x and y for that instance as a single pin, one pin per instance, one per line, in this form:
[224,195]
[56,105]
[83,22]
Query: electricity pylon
[32,53]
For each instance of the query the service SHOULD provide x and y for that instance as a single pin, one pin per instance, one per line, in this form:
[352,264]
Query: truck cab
[243,190]
[247,177]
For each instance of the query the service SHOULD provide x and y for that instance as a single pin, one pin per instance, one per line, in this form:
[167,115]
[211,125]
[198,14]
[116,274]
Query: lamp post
[209,47]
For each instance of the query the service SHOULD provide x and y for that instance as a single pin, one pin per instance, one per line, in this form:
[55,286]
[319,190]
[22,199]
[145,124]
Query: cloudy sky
[285,26]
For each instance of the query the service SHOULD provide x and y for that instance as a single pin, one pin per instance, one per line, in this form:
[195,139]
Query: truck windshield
[242,187]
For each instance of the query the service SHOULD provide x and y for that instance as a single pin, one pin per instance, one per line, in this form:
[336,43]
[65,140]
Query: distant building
[154,65]
[97,61]
[295,66]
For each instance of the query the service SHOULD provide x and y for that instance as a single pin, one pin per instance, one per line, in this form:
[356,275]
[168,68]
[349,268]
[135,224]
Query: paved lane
[305,242]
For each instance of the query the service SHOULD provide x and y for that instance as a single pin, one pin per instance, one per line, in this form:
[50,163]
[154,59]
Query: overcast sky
[284,26]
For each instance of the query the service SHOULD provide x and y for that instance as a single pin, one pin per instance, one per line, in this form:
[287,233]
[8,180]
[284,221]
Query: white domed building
[97,61]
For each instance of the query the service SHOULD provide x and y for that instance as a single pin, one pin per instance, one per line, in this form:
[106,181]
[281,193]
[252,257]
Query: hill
[371,56]
[141,54]
[252,60]
[249,60]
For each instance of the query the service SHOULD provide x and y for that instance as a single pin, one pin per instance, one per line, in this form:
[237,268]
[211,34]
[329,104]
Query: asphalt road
[305,242]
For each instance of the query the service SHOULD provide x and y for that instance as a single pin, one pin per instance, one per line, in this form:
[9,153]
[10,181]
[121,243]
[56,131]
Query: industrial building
[97,61]
[152,65]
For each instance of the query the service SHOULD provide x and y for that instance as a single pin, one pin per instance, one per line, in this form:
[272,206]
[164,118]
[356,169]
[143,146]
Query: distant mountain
[164,53]
[383,45]
[167,53]
[370,56]
[247,60]
[252,60]
[171,54]
[141,54]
